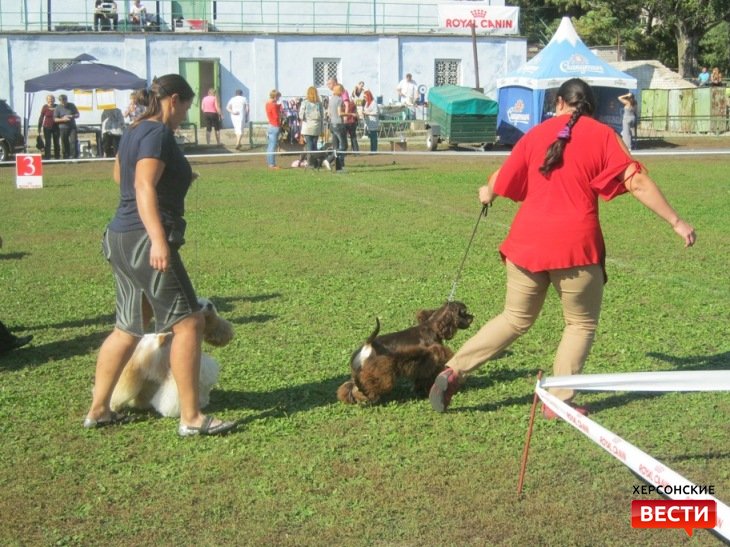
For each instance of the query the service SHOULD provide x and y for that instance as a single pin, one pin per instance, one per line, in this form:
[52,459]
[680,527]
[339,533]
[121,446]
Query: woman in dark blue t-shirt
[141,243]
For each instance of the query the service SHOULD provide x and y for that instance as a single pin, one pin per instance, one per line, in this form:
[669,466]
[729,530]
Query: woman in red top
[558,170]
[47,124]
[273,115]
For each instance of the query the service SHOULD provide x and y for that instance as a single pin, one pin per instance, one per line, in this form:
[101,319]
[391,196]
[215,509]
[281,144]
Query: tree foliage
[680,33]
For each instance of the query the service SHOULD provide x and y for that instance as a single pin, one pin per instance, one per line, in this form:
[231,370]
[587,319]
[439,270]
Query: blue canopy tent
[83,73]
[527,96]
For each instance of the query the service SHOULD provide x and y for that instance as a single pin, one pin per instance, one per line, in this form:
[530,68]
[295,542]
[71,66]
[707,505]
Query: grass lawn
[301,263]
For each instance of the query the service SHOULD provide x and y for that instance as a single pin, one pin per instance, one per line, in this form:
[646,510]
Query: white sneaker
[326,165]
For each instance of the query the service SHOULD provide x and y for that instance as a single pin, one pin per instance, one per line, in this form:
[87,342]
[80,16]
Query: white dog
[147,382]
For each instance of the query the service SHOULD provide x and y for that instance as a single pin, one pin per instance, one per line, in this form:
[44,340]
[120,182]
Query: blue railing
[284,16]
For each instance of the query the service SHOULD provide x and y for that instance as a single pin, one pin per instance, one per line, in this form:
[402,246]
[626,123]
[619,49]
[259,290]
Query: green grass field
[302,263]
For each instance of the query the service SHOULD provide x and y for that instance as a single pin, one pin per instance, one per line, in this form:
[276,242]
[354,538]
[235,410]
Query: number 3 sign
[28,171]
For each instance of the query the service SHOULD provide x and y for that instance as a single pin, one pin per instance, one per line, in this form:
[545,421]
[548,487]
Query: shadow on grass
[492,378]
[14,256]
[719,361]
[279,402]
[36,355]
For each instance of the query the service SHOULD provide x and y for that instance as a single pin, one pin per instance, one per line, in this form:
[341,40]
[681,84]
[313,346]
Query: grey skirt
[170,294]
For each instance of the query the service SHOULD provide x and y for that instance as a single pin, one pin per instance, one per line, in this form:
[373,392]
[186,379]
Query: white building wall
[257,63]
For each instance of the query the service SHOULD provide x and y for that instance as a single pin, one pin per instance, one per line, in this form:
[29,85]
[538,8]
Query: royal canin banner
[484,18]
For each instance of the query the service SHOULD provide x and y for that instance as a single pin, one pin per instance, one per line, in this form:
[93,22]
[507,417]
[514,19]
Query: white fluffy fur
[147,382]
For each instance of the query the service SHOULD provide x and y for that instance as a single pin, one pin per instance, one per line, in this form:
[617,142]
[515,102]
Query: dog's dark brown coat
[417,353]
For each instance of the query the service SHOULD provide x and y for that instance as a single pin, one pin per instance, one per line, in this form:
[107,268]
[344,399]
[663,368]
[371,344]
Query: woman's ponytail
[577,94]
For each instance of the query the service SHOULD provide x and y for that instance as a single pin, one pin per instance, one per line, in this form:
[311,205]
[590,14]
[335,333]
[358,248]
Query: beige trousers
[580,290]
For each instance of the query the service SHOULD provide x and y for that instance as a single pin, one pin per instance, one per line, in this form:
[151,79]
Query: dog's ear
[424,316]
[218,331]
[445,321]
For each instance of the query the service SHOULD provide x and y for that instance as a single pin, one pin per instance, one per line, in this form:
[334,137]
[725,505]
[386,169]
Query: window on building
[54,65]
[446,71]
[324,69]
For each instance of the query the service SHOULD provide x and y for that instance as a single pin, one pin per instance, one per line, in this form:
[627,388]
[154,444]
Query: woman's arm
[644,189]
[117,171]
[146,175]
[486,192]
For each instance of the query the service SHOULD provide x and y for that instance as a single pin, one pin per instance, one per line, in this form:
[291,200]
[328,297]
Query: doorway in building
[201,74]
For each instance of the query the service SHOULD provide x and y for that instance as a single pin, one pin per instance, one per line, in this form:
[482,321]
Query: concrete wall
[257,63]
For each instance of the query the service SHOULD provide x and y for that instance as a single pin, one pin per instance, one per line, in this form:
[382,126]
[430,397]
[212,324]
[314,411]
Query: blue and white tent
[527,96]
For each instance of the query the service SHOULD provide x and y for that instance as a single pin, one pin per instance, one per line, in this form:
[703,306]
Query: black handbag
[39,144]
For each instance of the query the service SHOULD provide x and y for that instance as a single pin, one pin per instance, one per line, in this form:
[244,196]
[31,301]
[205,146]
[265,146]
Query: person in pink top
[558,170]
[211,107]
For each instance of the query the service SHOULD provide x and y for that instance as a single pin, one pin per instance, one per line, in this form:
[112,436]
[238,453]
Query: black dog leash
[482,213]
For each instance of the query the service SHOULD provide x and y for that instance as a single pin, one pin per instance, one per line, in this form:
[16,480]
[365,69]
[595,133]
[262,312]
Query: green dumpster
[460,115]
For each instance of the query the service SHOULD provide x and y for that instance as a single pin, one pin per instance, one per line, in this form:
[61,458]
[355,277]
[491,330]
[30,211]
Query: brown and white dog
[417,353]
[147,382]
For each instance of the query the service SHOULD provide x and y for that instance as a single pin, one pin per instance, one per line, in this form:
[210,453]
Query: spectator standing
[47,125]
[558,170]
[273,115]
[335,110]
[408,94]
[142,245]
[332,82]
[112,127]
[65,117]
[237,107]
[350,120]
[358,97]
[371,114]
[628,121]
[211,107]
[311,113]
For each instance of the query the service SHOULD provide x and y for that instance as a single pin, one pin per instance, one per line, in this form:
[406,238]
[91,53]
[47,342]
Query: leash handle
[482,213]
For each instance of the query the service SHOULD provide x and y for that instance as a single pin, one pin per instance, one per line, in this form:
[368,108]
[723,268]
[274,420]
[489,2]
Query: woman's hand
[685,231]
[486,192]
[486,195]
[160,255]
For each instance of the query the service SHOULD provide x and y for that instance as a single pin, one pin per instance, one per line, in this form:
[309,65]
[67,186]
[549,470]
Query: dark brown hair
[576,94]
[162,87]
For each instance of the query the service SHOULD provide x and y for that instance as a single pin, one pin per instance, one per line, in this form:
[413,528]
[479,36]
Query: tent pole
[476,60]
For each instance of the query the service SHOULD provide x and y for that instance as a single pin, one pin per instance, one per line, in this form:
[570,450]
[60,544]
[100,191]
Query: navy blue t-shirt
[151,139]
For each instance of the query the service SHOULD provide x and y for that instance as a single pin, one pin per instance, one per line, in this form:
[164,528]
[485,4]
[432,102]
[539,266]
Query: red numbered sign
[28,171]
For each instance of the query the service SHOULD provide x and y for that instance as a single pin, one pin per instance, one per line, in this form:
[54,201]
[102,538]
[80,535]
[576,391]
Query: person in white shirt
[238,108]
[408,93]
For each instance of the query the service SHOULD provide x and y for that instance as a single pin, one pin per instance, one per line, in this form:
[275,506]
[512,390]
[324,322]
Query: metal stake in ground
[482,213]
[525,452]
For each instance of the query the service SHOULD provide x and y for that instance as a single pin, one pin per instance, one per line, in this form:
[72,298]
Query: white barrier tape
[674,380]
[648,468]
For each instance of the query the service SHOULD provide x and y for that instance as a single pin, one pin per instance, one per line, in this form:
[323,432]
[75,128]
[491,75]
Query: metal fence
[287,16]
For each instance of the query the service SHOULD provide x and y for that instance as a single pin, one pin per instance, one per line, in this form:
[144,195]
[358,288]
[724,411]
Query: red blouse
[557,224]
[46,117]
[273,113]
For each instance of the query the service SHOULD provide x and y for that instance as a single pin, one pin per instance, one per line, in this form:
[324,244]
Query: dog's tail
[374,334]
[350,394]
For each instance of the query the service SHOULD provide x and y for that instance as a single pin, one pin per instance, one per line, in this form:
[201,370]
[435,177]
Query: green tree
[690,20]
[643,28]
